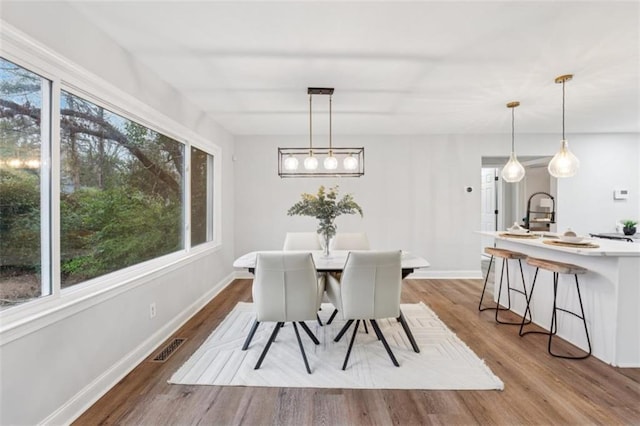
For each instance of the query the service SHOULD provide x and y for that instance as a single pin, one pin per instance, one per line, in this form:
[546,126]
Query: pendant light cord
[513,131]
[563,110]
[310,128]
[330,132]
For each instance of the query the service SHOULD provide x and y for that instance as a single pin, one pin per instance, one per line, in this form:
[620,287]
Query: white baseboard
[84,399]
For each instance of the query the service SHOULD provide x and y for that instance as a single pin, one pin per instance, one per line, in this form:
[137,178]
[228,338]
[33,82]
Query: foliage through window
[24,107]
[121,191]
[201,197]
[121,197]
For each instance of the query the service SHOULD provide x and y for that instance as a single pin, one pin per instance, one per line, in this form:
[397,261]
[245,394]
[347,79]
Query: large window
[121,193]
[24,113]
[121,199]
[201,197]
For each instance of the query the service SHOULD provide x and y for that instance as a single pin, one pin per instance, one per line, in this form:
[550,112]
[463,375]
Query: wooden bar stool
[557,268]
[505,255]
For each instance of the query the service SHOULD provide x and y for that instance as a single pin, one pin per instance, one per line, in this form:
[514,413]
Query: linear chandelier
[336,161]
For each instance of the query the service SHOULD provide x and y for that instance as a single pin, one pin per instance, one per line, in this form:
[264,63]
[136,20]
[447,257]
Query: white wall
[59,361]
[607,162]
[413,191]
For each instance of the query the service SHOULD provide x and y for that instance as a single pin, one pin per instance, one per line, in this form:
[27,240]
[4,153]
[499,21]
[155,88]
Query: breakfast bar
[610,292]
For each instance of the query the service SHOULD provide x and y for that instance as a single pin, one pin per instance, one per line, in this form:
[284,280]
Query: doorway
[502,203]
[489,209]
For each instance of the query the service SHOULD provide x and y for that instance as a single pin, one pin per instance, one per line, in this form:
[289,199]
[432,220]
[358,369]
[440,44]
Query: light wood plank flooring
[539,389]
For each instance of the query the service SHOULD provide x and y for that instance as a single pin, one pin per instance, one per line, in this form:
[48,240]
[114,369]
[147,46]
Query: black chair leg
[554,320]
[304,355]
[309,332]
[505,265]
[384,342]
[344,330]
[366,330]
[319,320]
[377,333]
[333,315]
[353,339]
[553,329]
[408,332]
[485,285]
[524,291]
[528,308]
[254,327]
[268,345]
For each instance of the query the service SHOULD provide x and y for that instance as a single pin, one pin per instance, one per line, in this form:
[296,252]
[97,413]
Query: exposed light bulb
[513,170]
[330,163]
[564,163]
[350,163]
[310,163]
[291,163]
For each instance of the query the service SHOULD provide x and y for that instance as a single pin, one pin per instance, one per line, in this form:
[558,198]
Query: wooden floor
[538,389]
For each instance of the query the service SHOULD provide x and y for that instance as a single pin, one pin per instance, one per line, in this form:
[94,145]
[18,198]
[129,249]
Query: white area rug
[444,361]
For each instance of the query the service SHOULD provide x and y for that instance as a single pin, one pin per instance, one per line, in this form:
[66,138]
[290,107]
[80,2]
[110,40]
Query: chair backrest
[350,241]
[301,241]
[370,284]
[285,287]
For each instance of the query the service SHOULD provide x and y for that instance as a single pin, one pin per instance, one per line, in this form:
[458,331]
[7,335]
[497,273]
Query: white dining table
[335,263]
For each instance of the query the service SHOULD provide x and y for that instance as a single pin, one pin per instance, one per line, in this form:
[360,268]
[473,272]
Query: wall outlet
[152,310]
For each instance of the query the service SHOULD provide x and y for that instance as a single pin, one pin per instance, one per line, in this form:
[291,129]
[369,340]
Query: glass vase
[327,241]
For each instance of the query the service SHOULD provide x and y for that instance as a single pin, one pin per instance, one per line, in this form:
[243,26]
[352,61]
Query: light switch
[620,194]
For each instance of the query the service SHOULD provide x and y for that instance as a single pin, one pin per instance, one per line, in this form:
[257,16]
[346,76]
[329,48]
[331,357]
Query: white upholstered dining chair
[350,241]
[286,289]
[301,241]
[369,289]
[295,241]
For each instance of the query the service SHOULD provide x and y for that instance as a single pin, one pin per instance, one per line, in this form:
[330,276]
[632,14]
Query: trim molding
[84,399]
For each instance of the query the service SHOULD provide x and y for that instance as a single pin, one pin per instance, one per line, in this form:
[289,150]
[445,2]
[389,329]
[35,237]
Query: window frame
[66,75]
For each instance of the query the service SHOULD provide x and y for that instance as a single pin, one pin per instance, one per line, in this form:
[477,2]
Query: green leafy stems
[629,223]
[325,207]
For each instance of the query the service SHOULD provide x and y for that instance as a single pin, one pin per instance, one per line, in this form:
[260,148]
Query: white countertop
[335,261]
[606,247]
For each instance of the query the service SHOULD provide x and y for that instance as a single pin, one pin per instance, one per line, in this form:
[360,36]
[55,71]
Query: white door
[489,205]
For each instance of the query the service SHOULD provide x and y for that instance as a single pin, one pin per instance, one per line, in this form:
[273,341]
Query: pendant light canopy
[351,159]
[513,170]
[564,163]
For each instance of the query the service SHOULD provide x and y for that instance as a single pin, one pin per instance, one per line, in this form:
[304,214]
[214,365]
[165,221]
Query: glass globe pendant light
[513,170]
[564,163]
[291,163]
[350,163]
[311,162]
[330,163]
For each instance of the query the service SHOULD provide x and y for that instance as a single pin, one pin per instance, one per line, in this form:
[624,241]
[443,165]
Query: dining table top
[334,262]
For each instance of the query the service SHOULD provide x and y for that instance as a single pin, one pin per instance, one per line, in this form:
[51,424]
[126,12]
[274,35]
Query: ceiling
[397,67]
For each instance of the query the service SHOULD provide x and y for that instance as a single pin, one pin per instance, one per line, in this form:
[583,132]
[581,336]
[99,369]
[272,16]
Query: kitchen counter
[610,294]
[606,247]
